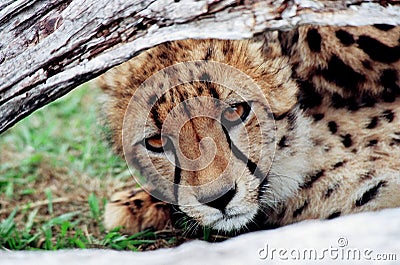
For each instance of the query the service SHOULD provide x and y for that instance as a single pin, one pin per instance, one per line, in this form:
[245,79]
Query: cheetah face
[203,136]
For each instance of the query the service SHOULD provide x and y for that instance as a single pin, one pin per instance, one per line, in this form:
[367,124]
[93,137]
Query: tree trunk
[48,47]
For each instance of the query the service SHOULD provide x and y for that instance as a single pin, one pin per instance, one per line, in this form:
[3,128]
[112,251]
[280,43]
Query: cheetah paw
[135,211]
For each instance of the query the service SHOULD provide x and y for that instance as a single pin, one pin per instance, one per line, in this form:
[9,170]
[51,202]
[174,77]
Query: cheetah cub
[243,135]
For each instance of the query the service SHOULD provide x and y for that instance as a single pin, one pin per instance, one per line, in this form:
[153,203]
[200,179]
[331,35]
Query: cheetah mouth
[229,221]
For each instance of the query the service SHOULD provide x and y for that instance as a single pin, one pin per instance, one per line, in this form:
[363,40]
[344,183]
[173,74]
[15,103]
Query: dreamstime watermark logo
[189,118]
[340,251]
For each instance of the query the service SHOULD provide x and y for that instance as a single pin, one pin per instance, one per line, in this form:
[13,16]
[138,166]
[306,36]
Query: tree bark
[48,47]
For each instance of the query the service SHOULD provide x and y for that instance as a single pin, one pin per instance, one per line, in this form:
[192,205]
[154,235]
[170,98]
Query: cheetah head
[203,133]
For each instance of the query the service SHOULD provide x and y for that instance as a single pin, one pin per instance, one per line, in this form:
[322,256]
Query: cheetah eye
[157,143]
[235,114]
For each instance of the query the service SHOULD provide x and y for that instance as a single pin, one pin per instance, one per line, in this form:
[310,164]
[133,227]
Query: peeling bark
[48,47]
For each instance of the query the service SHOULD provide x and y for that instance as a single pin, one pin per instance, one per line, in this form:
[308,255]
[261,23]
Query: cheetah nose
[221,202]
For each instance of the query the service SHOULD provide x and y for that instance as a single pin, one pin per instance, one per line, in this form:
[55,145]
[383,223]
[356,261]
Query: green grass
[56,173]
[55,234]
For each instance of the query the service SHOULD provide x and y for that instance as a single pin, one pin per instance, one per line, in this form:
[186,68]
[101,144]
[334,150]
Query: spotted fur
[335,95]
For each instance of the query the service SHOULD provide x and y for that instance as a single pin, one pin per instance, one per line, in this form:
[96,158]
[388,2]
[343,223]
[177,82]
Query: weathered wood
[48,47]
